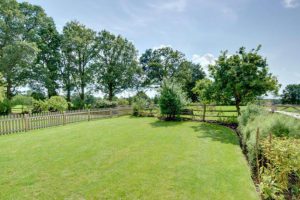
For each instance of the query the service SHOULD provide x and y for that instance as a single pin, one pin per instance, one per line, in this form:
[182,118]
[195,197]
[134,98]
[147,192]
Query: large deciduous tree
[187,75]
[116,64]
[16,53]
[160,64]
[291,94]
[41,29]
[79,43]
[242,77]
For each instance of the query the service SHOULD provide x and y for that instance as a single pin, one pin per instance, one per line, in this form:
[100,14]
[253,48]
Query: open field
[125,158]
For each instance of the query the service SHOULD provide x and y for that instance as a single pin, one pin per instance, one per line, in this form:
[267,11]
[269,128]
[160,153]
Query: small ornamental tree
[57,103]
[172,100]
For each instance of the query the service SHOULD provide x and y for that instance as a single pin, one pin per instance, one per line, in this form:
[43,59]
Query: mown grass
[125,158]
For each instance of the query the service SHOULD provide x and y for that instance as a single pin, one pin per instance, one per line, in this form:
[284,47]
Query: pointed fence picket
[24,122]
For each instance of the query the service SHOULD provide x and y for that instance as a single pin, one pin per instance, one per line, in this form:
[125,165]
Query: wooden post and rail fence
[25,122]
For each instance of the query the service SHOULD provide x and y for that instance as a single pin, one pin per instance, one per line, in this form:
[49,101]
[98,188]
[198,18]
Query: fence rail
[201,112]
[25,122]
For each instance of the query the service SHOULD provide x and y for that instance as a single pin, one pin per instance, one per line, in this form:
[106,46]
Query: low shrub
[39,106]
[122,102]
[252,118]
[277,159]
[5,107]
[57,103]
[280,175]
[105,104]
[138,106]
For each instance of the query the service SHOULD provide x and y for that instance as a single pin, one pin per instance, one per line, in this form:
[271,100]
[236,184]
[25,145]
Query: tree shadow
[159,123]
[216,133]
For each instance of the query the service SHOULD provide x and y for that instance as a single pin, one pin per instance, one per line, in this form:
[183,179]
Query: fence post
[64,118]
[110,112]
[26,122]
[256,153]
[204,112]
[89,114]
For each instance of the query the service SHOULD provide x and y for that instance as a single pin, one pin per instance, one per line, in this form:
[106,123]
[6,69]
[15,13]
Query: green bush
[39,106]
[254,117]
[279,162]
[122,102]
[22,100]
[57,103]
[105,104]
[5,107]
[172,100]
[138,106]
[280,176]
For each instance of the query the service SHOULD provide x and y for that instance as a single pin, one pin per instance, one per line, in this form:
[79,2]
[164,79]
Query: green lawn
[125,158]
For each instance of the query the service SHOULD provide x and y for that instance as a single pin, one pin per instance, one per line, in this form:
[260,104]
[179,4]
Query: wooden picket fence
[25,122]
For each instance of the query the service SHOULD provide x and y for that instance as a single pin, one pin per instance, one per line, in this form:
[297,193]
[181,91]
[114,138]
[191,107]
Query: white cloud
[171,5]
[291,3]
[204,60]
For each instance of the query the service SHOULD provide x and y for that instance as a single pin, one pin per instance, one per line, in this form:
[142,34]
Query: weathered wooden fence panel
[20,123]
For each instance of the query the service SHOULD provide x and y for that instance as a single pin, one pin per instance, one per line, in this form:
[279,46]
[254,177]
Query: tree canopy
[291,94]
[16,53]
[116,66]
[160,64]
[242,77]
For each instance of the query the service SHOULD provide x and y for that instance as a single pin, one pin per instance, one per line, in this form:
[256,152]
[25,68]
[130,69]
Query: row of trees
[34,54]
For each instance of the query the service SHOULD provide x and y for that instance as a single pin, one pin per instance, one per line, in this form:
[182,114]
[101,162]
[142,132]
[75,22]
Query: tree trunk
[82,93]
[69,98]
[237,105]
[9,93]
[110,95]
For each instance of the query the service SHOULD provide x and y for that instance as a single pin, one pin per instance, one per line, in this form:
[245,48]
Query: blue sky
[198,28]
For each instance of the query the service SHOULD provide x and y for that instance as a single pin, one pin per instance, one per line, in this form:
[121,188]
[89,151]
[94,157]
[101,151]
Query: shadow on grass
[159,123]
[216,133]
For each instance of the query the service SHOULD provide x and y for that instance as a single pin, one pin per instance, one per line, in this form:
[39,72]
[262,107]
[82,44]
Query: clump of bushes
[39,106]
[101,103]
[277,160]
[280,176]
[5,107]
[171,101]
[57,103]
[139,104]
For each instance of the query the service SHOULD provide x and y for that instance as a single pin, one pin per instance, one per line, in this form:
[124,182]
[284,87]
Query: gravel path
[295,115]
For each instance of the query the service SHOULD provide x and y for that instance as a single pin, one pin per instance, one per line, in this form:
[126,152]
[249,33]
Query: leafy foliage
[22,100]
[281,174]
[243,77]
[57,103]
[102,103]
[291,94]
[187,75]
[172,100]
[79,45]
[254,117]
[116,67]
[16,53]
[160,64]
[39,106]
[204,90]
